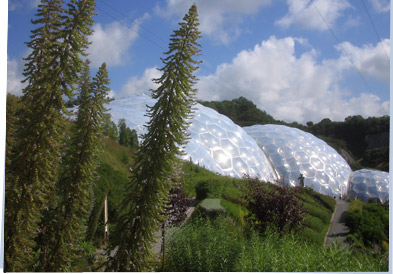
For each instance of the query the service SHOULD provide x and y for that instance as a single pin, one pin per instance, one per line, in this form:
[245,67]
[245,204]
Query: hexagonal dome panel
[366,184]
[293,152]
[216,142]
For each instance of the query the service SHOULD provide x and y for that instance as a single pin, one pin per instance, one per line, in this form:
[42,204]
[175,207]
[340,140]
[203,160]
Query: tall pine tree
[147,193]
[66,224]
[51,70]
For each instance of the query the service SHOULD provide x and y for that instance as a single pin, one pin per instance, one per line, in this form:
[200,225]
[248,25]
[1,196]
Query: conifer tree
[127,137]
[66,225]
[142,208]
[11,109]
[51,70]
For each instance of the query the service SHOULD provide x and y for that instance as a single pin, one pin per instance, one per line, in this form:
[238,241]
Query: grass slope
[320,207]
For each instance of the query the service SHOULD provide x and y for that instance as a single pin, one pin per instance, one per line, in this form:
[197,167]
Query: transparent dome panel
[294,152]
[215,143]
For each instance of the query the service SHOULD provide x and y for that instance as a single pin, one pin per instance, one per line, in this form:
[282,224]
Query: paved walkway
[338,230]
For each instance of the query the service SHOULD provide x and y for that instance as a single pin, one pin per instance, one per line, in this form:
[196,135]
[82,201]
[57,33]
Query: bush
[272,205]
[202,190]
[211,187]
[368,224]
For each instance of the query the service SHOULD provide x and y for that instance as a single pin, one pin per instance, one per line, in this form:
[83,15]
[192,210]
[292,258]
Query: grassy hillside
[114,173]
[227,243]
[320,207]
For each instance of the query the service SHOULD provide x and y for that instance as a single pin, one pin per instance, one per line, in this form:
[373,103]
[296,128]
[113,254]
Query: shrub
[202,190]
[272,205]
[368,224]
[211,187]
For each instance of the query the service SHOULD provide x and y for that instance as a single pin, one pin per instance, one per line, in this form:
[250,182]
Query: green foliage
[354,131]
[237,212]
[11,110]
[241,111]
[274,253]
[68,220]
[219,245]
[127,137]
[110,128]
[147,192]
[204,245]
[52,69]
[356,205]
[376,158]
[202,190]
[272,205]
[319,212]
[368,224]
[113,176]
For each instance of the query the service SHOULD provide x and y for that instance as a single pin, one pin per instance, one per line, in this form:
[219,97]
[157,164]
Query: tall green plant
[51,71]
[66,224]
[147,192]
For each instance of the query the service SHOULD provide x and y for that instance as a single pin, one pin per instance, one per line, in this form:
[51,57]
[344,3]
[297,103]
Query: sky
[298,60]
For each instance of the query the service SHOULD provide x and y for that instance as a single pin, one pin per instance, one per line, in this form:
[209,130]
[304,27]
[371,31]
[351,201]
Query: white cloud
[14,77]
[17,4]
[308,13]
[288,87]
[111,43]
[380,6]
[111,94]
[139,85]
[220,20]
[369,60]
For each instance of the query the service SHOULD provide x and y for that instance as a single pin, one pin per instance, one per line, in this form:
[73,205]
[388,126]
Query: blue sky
[299,60]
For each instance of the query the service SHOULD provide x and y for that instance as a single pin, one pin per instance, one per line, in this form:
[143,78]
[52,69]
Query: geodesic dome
[366,184]
[132,110]
[293,152]
[216,142]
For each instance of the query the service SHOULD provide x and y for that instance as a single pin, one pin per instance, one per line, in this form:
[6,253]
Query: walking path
[338,230]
